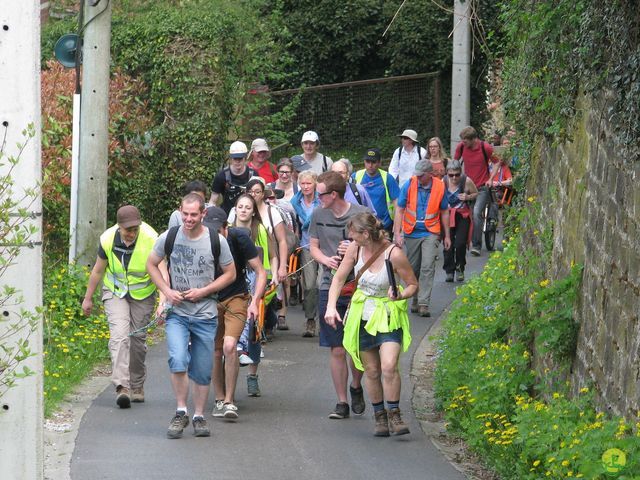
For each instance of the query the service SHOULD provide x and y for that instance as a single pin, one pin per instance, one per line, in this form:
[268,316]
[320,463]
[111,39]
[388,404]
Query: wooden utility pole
[21,411]
[91,201]
[461,71]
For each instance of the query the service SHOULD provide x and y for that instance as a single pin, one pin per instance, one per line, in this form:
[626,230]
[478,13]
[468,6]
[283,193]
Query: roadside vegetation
[502,371]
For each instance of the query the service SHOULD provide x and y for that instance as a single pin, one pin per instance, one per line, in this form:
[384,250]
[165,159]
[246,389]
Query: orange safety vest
[432,217]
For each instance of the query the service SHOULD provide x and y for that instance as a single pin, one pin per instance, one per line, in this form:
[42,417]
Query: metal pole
[21,410]
[461,71]
[94,131]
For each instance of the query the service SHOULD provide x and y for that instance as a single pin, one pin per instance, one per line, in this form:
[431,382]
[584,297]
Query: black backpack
[484,154]
[215,248]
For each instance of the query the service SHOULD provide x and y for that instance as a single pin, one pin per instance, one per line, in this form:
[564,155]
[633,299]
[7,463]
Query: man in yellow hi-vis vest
[129,296]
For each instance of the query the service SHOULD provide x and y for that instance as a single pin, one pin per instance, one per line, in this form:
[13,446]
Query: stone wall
[593,198]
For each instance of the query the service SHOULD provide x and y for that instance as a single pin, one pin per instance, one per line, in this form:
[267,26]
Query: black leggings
[456,257]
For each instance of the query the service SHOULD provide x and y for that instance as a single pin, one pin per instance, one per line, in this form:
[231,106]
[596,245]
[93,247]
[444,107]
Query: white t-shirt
[402,168]
[317,163]
[275,215]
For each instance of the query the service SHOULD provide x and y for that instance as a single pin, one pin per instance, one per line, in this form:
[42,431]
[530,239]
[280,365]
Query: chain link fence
[353,116]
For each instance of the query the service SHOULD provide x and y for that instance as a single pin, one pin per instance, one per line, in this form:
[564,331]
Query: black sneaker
[341,411]
[449,278]
[178,423]
[357,400]
[200,427]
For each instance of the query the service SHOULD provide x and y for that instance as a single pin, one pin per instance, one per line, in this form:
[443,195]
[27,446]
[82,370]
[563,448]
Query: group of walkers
[351,247]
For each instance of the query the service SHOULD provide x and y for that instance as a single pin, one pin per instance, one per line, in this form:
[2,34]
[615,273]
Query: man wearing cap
[128,295]
[476,155]
[422,215]
[235,306]
[193,318]
[310,145]
[381,187]
[404,159]
[260,154]
[229,182]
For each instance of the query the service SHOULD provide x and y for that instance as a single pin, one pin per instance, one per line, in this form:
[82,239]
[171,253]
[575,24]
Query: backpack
[231,189]
[292,239]
[399,151]
[484,154]
[215,248]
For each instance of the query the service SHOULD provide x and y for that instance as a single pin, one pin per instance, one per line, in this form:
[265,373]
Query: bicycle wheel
[490,236]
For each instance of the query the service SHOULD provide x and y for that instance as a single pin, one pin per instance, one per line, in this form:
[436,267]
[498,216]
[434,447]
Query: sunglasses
[325,193]
[284,172]
[452,175]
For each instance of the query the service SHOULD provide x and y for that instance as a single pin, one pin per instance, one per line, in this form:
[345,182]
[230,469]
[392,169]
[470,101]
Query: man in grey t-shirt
[192,321]
[328,243]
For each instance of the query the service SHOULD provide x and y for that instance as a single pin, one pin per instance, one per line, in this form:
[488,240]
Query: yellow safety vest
[135,280]
[383,174]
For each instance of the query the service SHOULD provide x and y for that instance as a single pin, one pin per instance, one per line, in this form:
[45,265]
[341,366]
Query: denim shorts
[329,336]
[368,341]
[196,357]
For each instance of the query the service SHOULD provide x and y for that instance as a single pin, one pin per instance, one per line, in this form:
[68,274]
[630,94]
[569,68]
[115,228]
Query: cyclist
[476,155]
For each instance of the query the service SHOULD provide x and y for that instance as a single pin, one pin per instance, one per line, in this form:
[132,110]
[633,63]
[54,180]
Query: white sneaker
[218,409]
[262,353]
[244,359]
[230,411]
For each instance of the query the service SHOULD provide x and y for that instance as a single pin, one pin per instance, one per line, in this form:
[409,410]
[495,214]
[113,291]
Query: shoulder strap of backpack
[215,250]
[168,247]
[356,192]
[324,162]
[484,153]
[227,175]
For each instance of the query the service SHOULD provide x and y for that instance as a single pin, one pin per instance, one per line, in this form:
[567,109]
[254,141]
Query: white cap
[411,134]
[260,145]
[310,136]
[238,150]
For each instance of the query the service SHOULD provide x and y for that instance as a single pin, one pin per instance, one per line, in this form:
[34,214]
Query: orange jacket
[432,217]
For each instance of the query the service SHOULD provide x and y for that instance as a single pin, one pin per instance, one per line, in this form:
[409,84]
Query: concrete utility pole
[94,132]
[461,71]
[21,411]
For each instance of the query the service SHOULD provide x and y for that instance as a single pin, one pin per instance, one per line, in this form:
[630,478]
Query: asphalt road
[285,434]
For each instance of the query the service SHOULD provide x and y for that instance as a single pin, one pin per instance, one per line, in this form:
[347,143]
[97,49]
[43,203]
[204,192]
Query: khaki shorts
[232,315]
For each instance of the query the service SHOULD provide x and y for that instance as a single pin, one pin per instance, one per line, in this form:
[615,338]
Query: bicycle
[498,197]
[490,220]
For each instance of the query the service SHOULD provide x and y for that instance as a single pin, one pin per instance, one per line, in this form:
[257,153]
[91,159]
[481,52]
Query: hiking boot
[282,323]
[218,409]
[268,334]
[460,275]
[396,424]
[200,427]
[382,424]
[341,411]
[475,252]
[414,305]
[230,411]
[449,278]
[253,389]
[311,328]
[423,311]
[357,400]
[137,395]
[178,423]
[123,400]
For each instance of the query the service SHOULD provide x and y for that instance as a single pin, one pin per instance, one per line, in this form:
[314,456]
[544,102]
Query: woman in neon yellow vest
[248,216]
[129,297]
[377,326]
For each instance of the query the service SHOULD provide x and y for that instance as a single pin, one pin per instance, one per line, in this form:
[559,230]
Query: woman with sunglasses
[437,157]
[460,190]
[285,181]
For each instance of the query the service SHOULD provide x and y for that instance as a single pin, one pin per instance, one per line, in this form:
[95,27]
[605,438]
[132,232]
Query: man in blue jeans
[193,317]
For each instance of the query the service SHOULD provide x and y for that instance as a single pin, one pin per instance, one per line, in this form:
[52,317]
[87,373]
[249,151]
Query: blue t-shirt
[424,193]
[377,192]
